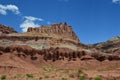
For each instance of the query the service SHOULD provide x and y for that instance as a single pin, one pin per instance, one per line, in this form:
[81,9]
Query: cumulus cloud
[116,1]
[10,7]
[30,21]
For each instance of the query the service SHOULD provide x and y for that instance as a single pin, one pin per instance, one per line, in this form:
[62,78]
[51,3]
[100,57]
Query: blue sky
[92,20]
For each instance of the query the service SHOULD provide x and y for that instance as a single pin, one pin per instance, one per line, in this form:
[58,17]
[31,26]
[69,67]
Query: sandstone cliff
[56,35]
[61,30]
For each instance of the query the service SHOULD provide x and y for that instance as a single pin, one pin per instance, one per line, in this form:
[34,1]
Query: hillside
[51,50]
[110,46]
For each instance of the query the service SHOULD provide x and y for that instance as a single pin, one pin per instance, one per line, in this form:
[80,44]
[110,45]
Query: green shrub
[98,78]
[46,76]
[48,68]
[19,76]
[29,75]
[82,78]
[64,79]
[3,77]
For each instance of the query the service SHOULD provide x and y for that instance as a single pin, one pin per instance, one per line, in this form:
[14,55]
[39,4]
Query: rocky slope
[6,29]
[110,46]
[44,38]
[56,45]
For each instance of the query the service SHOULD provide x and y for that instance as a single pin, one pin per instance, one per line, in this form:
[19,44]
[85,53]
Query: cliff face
[6,29]
[58,46]
[60,30]
[56,35]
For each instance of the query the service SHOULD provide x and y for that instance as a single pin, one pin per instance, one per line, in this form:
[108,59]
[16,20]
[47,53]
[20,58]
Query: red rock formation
[54,36]
[6,29]
[61,29]
[27,54]
[56,54]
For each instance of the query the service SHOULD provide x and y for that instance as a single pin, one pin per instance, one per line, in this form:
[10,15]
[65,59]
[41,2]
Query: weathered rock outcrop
[42,37]
[110,46]
[55,54]
[6,29]
[60,30]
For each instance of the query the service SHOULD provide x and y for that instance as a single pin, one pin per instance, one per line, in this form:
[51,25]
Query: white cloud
[116,1]
[10,7]
[30,22]
[3,12]
[31,18]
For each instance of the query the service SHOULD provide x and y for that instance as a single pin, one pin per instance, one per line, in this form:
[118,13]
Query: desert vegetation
[52,73]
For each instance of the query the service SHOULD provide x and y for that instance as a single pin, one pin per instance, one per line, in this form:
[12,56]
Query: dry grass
[52,73]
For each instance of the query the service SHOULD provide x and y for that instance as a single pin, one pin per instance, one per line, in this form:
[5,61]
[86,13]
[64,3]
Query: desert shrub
[79,70]
[63,78]
[44,68]
[71,76]
[66,71]
[82,78]
[19,76]
[46,76]
[3,77]
[29,75]
[48,68]
[40,78]
[98,78]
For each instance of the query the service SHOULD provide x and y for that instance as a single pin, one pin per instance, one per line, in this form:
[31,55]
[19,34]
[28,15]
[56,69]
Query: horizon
[93,21]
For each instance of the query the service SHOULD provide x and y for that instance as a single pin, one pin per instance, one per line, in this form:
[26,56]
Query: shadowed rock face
[48,54]
[6,30]
[62,30]
[55,54]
